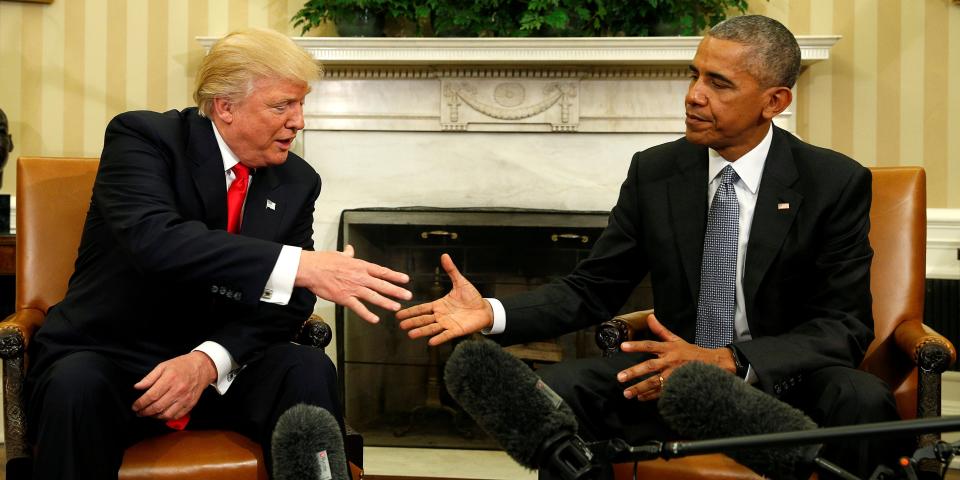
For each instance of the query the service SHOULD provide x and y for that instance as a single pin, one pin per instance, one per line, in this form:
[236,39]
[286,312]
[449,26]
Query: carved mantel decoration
[532,101]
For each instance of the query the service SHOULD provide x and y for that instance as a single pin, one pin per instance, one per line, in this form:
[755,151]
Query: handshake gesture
[461,312]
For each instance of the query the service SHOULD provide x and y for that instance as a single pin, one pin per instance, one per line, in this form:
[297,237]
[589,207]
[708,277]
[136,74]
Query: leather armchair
[53,196]
[905,353]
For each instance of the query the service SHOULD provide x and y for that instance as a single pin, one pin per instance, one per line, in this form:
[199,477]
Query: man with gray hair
[196,268]
[756,246]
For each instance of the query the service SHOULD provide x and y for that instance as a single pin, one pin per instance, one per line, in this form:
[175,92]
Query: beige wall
[884,97]
[68,67]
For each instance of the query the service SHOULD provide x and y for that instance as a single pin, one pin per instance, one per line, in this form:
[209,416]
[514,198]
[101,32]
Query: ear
[777,100]
[223,109]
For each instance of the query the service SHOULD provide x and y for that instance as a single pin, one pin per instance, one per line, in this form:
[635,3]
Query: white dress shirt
[750,169]
[278,289]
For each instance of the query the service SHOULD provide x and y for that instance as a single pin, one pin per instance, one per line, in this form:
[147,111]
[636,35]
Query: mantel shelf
[521,51]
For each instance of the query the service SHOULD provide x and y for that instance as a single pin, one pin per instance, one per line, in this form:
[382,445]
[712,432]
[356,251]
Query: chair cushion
[715,467]
[206,454]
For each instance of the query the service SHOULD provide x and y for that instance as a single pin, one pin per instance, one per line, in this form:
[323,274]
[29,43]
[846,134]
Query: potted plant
[353,18]
[366,18]
[519,18]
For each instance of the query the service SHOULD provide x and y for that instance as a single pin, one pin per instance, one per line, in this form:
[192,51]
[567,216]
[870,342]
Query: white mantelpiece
[521,51]
[524,51]
[495,122]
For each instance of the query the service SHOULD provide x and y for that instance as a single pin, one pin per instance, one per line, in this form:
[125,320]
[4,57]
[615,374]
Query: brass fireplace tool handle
[556,237]
[439,233]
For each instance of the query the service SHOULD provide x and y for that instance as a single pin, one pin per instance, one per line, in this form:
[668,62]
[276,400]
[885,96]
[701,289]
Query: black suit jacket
[157,273]
[807,267]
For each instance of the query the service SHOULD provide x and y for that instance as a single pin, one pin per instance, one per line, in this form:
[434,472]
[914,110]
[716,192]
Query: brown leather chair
[908,355]
[53,195]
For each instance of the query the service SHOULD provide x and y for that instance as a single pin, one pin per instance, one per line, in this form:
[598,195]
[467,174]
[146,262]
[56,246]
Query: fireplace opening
[392,387]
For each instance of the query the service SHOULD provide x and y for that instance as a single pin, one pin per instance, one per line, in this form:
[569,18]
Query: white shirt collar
[749,167]
[229,159]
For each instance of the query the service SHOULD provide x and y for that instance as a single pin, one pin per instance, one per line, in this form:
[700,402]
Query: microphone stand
[618,451]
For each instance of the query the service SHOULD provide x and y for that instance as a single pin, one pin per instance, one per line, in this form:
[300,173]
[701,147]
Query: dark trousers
[80,416]
[831,396]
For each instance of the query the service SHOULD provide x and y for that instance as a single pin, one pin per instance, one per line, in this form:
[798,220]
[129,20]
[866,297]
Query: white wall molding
[943,243]
[521,51]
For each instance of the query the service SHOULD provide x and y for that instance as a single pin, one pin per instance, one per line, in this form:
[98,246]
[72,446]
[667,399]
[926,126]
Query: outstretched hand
[669,353]
[461,312]
[348,281]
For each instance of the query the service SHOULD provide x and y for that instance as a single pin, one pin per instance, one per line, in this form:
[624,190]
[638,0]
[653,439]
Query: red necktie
[235,195]
[180,423]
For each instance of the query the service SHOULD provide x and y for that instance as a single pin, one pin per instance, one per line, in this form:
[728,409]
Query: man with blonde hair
[195,269]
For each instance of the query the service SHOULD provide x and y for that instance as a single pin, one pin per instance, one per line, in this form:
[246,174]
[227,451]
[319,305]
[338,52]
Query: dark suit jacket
[807,269]
[157,273]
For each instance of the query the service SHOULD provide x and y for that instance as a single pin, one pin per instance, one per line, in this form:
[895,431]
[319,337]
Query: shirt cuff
[751,377]
[227,368]
[499,318]
[279,286]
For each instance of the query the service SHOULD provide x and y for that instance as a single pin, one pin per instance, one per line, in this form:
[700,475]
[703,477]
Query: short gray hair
[776,55]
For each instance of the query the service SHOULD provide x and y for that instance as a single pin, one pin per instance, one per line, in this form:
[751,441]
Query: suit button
[223,290]
[237,296]
[214,289]
[777,389]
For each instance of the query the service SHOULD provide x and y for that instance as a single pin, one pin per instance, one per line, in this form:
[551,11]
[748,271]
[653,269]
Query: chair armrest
[932,354]
[619,329]
[315,332]
[929,350]
[17,330]
[15,334]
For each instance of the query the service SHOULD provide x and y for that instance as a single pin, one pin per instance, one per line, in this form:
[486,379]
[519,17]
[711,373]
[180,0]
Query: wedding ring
[660,377]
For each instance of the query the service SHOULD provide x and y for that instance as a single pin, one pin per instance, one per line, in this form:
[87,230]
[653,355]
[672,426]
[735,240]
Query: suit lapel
[776,209]
[264,207]
[206,169]
[688,200]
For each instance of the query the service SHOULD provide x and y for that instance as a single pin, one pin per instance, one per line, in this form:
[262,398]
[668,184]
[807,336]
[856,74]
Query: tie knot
[728,175]
[241,171]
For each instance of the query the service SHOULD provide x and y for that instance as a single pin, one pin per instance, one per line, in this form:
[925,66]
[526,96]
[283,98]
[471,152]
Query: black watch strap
[739,361]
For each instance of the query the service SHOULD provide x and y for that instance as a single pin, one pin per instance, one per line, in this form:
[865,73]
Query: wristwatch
[739,361]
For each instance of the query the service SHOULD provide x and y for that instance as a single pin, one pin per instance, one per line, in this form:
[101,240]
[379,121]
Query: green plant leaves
[506,18]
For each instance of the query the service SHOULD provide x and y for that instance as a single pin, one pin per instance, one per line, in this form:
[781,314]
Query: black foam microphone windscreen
[701,401]
[307,445]
[507,400]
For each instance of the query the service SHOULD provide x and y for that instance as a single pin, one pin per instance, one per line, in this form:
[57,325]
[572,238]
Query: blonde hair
[237,60]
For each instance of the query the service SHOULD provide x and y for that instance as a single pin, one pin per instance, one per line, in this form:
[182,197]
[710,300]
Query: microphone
[307,445]
[702,401]
[528,419]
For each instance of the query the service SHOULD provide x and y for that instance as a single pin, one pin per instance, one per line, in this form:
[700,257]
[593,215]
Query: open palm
[460,312]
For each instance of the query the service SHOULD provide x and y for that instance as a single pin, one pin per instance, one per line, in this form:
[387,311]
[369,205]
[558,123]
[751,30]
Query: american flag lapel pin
[271,205]
[783,206]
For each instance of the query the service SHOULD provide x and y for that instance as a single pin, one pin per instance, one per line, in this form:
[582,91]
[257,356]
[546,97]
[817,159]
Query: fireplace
[393,386]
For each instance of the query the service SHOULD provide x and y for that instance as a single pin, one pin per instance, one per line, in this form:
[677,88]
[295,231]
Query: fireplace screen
[392,387]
